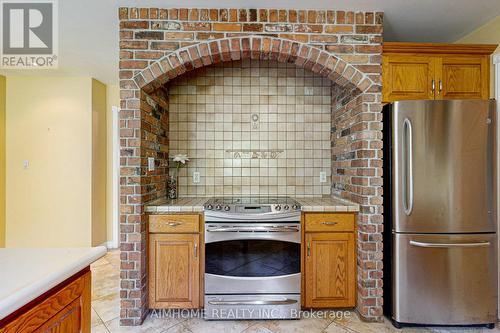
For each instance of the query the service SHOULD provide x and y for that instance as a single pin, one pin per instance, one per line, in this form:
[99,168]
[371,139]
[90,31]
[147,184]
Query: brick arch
[282,50]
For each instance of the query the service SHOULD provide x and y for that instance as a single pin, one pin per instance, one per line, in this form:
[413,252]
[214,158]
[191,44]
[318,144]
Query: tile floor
[106,303]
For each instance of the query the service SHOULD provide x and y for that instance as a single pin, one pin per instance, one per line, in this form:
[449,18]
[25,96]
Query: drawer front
[325,222]
[450,279]
[174,223]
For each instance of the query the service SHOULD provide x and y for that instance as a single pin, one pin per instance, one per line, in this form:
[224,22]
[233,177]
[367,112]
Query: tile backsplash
[252,127]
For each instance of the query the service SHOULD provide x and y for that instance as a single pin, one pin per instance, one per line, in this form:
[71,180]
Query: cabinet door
[174,275]
[407,77]
[330,274]
[463,77]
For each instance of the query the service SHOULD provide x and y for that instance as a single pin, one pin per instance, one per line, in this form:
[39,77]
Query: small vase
[172,186]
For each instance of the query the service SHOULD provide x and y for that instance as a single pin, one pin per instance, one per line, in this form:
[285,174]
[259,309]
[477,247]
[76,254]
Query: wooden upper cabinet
[463,77]
[174,270]
[435,71]
[408,77]
[330,279]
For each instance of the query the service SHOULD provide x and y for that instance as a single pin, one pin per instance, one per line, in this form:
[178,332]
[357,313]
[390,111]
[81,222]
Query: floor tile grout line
[106,322]
[344,327]
[106,328]
[249,326]
[97,313]
[181,323]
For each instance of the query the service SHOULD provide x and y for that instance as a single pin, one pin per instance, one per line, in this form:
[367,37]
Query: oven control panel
[253,209]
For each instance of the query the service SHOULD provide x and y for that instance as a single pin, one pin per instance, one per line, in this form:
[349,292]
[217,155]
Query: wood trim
[438,48]
[303,259]
[202,261]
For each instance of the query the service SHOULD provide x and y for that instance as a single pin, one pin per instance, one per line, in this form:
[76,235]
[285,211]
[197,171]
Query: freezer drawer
[444,279]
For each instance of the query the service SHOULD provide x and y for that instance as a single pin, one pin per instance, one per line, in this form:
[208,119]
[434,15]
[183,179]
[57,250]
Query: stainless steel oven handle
[448,245]
[254,229]
[255,302]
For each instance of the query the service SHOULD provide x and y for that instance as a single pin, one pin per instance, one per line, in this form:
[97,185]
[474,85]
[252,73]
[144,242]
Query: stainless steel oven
[252,261]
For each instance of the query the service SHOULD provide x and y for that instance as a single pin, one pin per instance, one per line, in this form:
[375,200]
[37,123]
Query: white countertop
[28,273]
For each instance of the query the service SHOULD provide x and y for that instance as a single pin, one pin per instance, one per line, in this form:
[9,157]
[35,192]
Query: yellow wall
[49,123]
[113,99]
[487,34]
[2,160]
[99,229]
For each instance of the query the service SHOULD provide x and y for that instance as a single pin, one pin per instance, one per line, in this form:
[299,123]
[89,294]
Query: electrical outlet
[255,121]
[26,164]
[196,177]
[151,163]
[322,177]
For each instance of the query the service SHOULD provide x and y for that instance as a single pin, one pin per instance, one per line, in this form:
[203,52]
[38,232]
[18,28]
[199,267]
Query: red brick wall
[157,45]
[357,176]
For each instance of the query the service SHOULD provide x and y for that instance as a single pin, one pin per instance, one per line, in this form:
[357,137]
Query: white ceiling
[88,29]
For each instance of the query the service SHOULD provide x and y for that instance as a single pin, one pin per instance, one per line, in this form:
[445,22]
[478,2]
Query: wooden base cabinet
[174,262]
[330,260]
[435,71]
[65,308]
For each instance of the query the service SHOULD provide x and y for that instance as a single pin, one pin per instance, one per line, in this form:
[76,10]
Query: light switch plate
[322,177]
[151,163]
[196,177]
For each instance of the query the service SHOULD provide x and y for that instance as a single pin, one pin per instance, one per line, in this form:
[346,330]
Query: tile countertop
[309,204]
[326,204]
[165,205]
[28,273]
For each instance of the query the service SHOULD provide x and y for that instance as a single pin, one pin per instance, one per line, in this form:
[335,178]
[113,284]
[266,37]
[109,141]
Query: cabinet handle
[433,86]
[308,249]
[440,87]
[195,250]
[329,223]
[173,224]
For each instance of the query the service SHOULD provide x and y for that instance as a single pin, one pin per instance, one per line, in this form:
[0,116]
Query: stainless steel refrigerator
[440,241]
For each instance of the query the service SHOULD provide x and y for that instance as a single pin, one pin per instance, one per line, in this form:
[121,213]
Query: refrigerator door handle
[448,245]
[408,166]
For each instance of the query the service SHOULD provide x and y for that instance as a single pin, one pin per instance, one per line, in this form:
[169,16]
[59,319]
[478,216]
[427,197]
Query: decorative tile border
[255,154]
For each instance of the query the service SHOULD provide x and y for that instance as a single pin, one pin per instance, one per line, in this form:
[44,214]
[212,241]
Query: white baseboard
[109,245]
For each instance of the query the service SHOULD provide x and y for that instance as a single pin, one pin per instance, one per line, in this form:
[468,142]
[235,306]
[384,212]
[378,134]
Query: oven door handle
[254,229]
[254,302]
